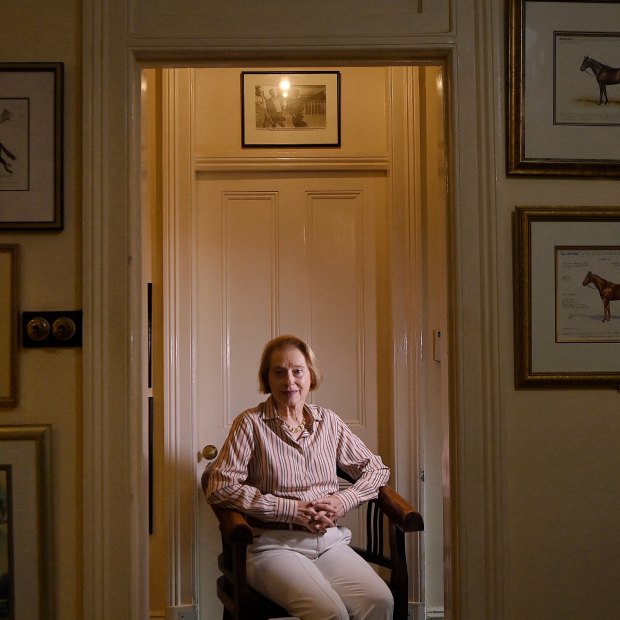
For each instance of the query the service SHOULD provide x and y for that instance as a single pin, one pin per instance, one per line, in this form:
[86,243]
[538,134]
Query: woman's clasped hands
[320,514]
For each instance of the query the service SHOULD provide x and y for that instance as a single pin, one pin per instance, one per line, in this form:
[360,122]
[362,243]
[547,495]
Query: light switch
[52,329]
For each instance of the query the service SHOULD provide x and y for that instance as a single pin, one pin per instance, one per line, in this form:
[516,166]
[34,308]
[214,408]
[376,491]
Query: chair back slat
[374,529]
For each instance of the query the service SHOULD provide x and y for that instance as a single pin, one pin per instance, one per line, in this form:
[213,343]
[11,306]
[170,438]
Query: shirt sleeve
[229,472]
[366,468]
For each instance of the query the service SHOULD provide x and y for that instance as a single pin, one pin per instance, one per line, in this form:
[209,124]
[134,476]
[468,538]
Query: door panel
[302,254]
[295,259]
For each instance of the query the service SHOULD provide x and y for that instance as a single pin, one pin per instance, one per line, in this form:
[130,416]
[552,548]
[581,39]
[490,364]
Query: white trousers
[317,576]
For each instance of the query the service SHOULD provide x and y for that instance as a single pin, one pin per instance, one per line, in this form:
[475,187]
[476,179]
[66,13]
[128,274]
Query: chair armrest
[233,526]
[395,507]
[399,511]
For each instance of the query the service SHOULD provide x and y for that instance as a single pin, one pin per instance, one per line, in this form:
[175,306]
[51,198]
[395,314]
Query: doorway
[402,150]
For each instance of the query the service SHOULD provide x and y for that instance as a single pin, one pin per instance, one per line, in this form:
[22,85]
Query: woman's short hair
[282,342]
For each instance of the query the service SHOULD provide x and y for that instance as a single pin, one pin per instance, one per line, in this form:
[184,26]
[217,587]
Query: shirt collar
[269,410]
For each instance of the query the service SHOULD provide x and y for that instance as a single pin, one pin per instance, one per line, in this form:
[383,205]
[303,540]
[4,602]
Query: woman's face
[289,378]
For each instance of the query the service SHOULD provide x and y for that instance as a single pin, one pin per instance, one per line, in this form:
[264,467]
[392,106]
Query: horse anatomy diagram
[604,74]
[607,290]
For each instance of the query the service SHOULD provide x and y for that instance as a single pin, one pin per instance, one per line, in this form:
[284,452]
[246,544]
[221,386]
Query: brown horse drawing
[604,74]
[607,290]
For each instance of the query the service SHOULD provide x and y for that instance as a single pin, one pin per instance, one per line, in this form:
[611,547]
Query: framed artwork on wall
[9,310]
[567,296]
[281,109]
[25,555]
[564,88]
[31,145]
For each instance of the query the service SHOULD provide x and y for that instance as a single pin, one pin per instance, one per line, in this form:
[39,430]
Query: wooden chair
[241,602]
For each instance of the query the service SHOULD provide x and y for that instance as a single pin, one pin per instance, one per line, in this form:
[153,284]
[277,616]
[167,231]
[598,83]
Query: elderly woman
[278,466]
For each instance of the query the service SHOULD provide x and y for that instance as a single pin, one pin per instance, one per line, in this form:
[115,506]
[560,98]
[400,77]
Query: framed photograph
[25,541]
[9,311]
[564,88]
[283,109]
[31,187]
[567,296]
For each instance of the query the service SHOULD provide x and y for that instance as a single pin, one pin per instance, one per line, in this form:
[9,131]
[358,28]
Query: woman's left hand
[315,521]
[331,505]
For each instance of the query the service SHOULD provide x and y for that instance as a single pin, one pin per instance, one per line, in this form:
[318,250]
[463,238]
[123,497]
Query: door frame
[407,392]
[114,431]
[181,587]
[407,398]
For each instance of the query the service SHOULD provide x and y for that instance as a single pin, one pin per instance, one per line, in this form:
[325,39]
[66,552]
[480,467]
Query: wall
[363,109]
[50,380]
[559,462]
[152,176]
[434,364]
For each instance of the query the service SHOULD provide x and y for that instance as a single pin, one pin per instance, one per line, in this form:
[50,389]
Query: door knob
[208,452]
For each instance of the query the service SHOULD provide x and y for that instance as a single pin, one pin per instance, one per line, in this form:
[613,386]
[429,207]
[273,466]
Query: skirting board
[182,612]
[417,611]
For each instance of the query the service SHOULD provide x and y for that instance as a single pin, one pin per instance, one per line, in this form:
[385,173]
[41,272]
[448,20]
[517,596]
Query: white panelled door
[287,253]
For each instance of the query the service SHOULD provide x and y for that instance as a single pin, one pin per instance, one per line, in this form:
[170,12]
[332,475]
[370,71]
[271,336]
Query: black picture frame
[290,109]
[31,146]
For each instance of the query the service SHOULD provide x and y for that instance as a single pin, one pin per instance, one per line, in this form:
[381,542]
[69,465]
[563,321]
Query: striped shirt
[263,472]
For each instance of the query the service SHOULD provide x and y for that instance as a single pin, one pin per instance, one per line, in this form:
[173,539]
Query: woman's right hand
[315,521]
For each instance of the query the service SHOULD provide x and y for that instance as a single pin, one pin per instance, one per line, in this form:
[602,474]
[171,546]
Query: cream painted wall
[434,363]
[559,458]
[151,108]
[50,383]
[363,114]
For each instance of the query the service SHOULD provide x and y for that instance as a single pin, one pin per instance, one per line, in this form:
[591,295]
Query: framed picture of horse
[567,296]
[564,88]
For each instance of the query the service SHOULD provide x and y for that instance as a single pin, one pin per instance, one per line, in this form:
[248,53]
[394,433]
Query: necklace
[294,429]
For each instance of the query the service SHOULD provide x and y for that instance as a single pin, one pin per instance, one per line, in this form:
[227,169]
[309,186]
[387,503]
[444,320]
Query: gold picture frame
[566,333]
[9,310]
[25,523]
[559,123]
